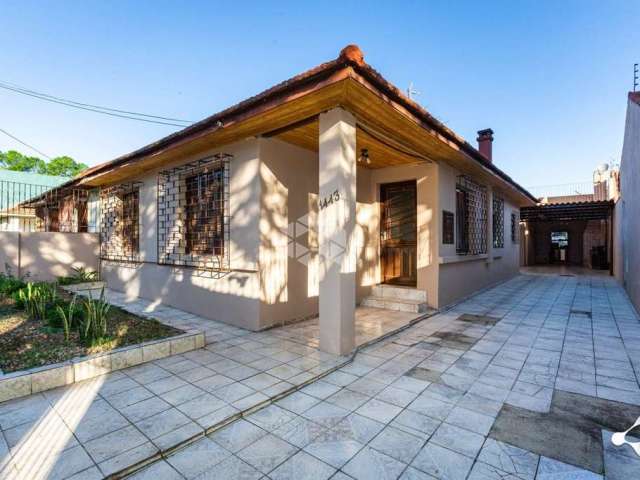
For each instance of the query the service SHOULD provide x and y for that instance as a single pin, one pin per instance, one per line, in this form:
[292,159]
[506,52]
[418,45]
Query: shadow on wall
[44,256]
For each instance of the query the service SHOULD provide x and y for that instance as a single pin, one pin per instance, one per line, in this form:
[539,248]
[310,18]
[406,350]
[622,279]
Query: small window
[204,211]
[120,222]
[193,215]
[447,227]
[498,221]
[514,228]
[130,223]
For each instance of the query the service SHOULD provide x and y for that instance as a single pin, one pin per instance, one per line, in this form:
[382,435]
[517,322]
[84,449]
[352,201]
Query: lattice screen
[120,222]
[475,214]
[193,214]
[498,221]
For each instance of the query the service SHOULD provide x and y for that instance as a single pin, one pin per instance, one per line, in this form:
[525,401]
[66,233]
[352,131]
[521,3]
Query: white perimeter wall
[628,208]
[44,256]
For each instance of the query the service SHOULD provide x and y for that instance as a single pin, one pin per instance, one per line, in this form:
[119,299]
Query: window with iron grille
[193,214]
[120,222]
[471,217]
[514,227]
[447,227]
[498,221]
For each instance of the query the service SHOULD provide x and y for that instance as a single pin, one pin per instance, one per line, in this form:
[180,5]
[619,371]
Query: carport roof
[600,210]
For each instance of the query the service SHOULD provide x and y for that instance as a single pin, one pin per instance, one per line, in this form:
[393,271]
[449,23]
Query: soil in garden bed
[30,343]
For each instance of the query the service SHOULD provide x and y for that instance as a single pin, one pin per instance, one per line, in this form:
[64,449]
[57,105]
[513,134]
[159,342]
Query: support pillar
[336,231]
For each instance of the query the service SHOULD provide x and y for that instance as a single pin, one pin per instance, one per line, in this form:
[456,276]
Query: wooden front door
[398,233]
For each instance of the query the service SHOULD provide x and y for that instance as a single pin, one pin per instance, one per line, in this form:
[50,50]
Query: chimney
[485,139]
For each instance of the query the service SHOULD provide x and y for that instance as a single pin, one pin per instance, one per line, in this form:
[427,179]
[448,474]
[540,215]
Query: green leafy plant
[9,284]
[67,316]
[35,298]
[93,326]
[80,275]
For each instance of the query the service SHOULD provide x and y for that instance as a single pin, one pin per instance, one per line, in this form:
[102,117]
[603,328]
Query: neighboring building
[628,208]
[16,188]
[301,201]
[573,229]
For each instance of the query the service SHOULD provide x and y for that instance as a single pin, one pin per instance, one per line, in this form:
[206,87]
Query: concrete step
[397,304]
[400,293]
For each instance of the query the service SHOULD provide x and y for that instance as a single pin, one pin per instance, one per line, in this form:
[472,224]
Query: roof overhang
[346,82]
[566,212]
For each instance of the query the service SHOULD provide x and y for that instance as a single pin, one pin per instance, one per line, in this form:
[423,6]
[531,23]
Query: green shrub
[80,275]
[9,284]
[93,326]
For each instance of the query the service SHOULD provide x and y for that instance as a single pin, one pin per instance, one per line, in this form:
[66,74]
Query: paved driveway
[525,381]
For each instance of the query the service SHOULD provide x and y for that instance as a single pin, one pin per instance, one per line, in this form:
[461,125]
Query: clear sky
[550,78]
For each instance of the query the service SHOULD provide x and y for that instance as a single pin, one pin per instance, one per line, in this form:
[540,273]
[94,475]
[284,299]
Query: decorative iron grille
[193,215]
[498,221]
[120,222]
[514,227]
[471,211]
[37,208]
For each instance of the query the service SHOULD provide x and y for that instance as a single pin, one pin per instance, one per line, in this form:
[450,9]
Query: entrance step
[401,299]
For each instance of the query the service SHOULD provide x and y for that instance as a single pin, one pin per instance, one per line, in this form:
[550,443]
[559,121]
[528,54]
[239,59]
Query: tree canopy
[59,166]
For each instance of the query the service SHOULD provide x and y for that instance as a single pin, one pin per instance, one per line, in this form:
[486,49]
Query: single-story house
[329,190]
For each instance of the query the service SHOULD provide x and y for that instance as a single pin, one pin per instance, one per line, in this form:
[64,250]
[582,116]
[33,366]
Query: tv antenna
[412,91]
[635,77]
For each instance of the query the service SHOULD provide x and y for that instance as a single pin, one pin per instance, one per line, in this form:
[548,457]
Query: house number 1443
[328,200]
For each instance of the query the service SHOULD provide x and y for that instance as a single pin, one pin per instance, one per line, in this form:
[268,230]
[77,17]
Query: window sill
[462,258]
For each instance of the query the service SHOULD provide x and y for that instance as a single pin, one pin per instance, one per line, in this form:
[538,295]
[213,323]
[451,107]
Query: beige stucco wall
[9,252]
[288,259]
[233,298]
[426,177]
[44,256]
[629,205]
[461,275]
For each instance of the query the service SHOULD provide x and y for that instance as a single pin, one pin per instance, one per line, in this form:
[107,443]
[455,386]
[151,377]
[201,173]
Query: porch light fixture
[364,156]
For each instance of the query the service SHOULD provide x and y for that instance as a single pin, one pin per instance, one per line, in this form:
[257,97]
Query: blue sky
[550,78]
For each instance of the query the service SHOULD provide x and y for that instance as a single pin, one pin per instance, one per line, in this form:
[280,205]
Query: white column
[336,231]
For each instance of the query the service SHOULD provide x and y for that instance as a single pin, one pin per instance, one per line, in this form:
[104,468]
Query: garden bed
[27,343]
[42,323]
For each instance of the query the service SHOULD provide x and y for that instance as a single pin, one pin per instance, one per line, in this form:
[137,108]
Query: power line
[25,144]
[143,117]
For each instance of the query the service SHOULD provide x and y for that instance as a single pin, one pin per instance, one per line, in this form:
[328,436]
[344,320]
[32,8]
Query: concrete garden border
[35,380]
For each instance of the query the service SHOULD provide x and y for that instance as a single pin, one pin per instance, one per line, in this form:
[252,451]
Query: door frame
[381,189]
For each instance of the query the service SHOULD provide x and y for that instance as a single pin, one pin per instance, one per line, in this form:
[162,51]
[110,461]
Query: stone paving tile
[549,469]
[198,458]
[159,470]
[370,463]
[237,435]
[267,453]
[440,462]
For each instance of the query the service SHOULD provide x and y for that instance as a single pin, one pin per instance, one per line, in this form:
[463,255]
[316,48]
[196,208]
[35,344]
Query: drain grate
[580,312]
